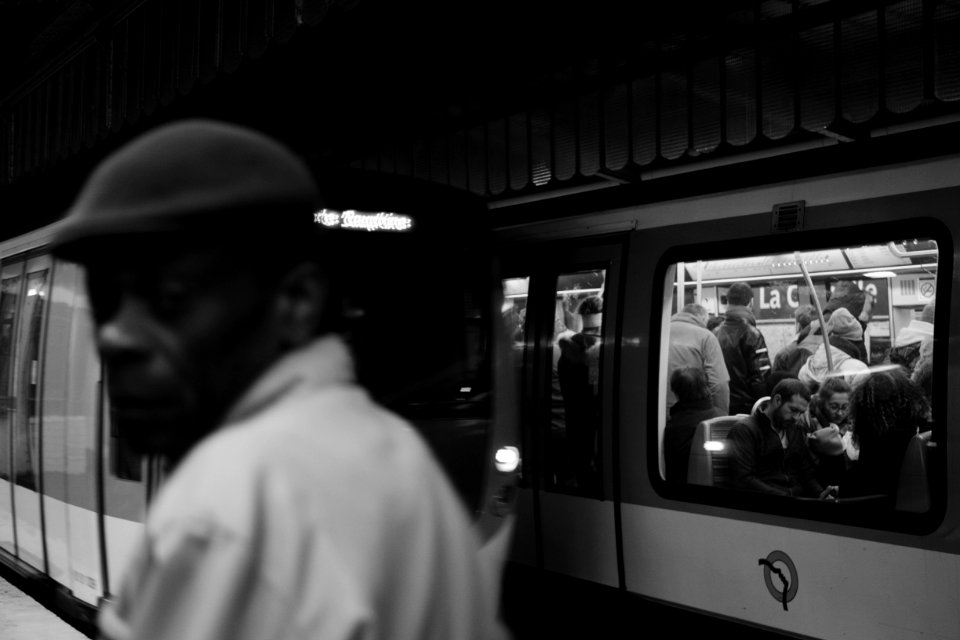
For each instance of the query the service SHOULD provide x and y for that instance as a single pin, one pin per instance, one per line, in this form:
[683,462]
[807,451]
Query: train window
[806,375]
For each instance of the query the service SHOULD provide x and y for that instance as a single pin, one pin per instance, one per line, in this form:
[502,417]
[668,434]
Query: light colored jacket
[815,368]
[312,513]
[693,345]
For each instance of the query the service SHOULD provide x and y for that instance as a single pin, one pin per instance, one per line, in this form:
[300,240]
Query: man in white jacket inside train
[296,507]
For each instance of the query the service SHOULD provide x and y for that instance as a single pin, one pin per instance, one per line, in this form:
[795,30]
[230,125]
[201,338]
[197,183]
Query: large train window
[804,375]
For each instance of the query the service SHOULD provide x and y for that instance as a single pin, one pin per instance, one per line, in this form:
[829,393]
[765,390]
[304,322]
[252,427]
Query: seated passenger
[829,431]
[769,448]
[888,409]
[844,332]
[693,406]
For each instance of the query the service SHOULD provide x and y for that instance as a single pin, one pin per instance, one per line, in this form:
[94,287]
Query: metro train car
[421,310]
[605,546]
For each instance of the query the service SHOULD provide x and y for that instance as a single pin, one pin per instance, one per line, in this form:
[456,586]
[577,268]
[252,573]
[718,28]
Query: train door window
[805,374]
[11,276]
[573,449]
[9,307]
[26,435]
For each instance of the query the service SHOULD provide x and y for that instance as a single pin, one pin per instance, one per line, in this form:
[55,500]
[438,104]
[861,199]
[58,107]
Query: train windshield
[804,374]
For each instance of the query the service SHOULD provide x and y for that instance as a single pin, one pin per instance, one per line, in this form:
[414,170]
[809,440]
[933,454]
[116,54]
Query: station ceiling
[504,99]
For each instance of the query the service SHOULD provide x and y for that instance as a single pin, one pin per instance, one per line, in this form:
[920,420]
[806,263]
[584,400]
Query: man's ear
[776,401]
[300,304]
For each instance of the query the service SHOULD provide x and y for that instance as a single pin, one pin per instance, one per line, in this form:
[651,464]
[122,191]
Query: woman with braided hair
[888,409]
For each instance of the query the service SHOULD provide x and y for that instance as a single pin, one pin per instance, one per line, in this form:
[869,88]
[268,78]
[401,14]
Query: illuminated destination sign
[352,219]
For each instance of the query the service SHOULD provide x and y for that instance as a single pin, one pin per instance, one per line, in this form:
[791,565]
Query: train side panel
[779,567]
[885,576]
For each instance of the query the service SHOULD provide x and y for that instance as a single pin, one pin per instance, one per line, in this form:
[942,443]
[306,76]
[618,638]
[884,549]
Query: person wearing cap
[744,350]
[847,295]
[295,506]
[843,333]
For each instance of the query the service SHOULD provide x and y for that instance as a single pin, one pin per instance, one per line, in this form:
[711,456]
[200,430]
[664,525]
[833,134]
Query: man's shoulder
[745,423]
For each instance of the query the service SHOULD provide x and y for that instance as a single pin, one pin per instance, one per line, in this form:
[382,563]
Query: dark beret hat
[188,176]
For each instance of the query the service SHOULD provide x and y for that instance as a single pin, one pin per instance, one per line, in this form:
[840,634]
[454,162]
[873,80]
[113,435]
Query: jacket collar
[739,314]
[325,361]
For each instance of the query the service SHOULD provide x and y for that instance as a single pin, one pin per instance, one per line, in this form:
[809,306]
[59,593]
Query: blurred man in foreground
[296,507]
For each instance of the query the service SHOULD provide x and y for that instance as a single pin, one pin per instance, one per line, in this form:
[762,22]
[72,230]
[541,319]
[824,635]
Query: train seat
[913,491]
[710,466]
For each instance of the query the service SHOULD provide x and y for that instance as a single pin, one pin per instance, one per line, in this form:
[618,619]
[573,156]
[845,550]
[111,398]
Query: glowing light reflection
[507,459]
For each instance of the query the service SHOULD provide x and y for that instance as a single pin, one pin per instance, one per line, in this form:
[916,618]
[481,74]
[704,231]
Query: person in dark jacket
[694,405]
[769,448]
[744,350]
[794,355]
[888,409]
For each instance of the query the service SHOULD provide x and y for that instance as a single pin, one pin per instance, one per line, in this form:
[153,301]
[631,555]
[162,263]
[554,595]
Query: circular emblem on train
[780,576]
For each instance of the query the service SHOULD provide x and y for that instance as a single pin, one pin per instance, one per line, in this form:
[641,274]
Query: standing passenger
[578,372]
[692,345]
[296,507]
[844,333]
[808,338]
[847,295]
[744,350]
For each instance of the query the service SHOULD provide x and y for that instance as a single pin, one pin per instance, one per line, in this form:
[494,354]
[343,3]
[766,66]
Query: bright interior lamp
[876,275]
[507,459]
[713,445]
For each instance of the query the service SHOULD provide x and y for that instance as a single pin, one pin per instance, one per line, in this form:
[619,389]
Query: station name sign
[368,221]
[778,302]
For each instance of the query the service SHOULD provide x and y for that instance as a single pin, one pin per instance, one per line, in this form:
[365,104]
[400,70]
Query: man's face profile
[181,337]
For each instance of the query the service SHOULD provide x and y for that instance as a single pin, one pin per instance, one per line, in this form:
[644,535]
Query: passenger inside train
[572,445]
[850,335]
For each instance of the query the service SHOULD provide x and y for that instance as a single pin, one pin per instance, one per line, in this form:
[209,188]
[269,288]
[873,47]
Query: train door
[10,280]
[71,500]
[563,303]
[23,290]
